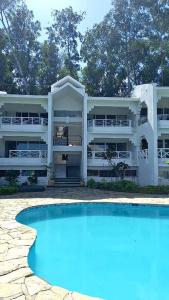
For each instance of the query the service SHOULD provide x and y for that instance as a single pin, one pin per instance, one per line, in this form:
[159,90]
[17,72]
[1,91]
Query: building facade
[66,134]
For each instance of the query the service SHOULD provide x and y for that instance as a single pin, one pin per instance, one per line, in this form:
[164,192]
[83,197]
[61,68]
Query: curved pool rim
[81,203]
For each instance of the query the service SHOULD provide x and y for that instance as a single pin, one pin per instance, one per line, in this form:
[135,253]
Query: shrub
[129,187]
[91,183]
[8,190]
[12,176]
[33,179]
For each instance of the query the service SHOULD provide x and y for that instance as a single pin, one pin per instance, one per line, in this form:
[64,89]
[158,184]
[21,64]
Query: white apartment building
[65,134]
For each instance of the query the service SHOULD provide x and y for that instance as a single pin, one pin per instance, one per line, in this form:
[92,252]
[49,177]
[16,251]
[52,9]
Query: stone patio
[17,280]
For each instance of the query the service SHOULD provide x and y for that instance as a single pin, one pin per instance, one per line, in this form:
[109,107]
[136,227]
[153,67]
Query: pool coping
[17,280]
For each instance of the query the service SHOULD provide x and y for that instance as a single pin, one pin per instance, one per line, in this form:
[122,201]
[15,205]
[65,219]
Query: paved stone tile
[16,279]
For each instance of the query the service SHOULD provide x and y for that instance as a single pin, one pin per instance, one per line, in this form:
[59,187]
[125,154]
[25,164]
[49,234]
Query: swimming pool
[112,251]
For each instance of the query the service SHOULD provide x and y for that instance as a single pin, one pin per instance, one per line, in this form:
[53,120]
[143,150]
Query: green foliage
[128,187]
[91,183]
[33,179]
[130,46]
[12,176]
[64,33]
[8,190]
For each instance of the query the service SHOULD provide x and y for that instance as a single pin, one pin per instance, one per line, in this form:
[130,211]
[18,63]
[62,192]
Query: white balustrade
[109,123]
[28,154]
[163,153]
[115,155]
[143,154]
[24,121]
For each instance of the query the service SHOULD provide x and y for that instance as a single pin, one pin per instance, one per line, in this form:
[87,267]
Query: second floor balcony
[110,126]
[23,124]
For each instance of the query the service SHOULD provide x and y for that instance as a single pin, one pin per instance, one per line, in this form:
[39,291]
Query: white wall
[148,168]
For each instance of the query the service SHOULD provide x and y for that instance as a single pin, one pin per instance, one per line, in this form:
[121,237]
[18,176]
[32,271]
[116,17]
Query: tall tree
[64,32]
[49,67]
[22,33]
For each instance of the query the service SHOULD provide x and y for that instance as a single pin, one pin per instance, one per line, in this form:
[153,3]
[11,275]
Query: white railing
[163,153]
[24,121]
[109,123]
[115,155]
[27,154]
[163,117]
[143,154]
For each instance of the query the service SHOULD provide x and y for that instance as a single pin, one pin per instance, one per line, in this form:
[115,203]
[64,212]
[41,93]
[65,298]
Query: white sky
[95,9]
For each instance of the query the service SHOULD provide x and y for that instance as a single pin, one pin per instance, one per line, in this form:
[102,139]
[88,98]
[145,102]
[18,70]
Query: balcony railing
[164,117]
[103,155]
[28,154]
[72,140]
[163,153]
[143,154]
[23,121]
[109,123]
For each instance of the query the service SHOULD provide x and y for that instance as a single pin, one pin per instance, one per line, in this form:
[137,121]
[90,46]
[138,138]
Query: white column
[50,132]
[84,150]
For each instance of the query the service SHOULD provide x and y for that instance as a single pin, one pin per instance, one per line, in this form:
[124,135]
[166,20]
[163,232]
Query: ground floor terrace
[17,280]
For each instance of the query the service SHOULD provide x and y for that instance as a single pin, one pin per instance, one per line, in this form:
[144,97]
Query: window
[166,143]
[99,117]
[111,117]
[121,147]
[159,111]
[94,173]
[2,173]
[107,173]
[160,143]
[130,173]
[38,173]
[166,111]
[99,147]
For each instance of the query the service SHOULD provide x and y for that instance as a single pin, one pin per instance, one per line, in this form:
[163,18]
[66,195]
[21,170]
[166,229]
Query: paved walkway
[17,281]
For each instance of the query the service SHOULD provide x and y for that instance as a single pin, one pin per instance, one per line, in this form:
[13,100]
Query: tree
[22,33]
[64,33]
[103,74]
[117,168]
[49,66]
[6,78]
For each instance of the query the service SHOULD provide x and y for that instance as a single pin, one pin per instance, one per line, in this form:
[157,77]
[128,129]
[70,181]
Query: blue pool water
[105,250]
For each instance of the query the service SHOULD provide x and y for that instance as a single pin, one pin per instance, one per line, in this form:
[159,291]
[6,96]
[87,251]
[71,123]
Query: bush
[91,183]
[129,187]
[12,176]
[151,189]
[33,179]
[8,190]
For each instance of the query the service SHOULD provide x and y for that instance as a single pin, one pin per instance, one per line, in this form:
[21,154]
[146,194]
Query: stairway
[67,182]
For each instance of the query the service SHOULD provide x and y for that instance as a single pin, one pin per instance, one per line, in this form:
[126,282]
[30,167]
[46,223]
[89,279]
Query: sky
[95,9]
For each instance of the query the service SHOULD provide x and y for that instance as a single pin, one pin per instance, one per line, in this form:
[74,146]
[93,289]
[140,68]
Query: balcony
[23,124]
[110,126]
[163,155]
[71,143]
[67,116]
[99,158]
[163,121]
[25,158]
